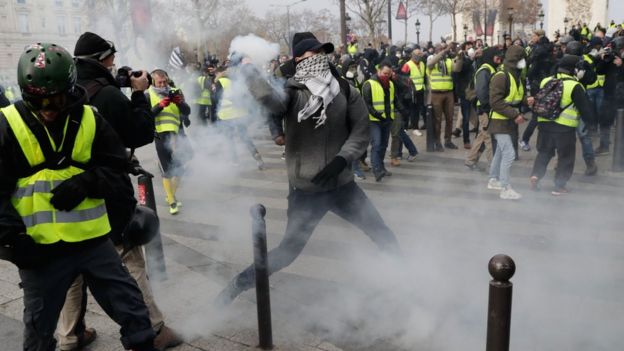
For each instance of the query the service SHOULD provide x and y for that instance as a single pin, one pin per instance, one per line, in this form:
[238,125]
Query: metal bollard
[618,144]
[261,265]
[154,253]
[501,268]
[429,123]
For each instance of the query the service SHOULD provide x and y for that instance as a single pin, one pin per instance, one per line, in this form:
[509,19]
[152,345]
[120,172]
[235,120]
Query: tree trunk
[454,21]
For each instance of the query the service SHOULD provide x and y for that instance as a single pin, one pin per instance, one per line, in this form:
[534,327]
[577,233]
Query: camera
[173,93]
[608,55]
[123,76]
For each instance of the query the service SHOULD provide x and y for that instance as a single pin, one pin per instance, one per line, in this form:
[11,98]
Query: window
[77,23]
[60,24]
[22,22]
[21,1]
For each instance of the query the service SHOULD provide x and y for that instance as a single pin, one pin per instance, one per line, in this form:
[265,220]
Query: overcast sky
[441,26]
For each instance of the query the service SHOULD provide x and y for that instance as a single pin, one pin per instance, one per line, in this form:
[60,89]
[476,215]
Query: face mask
[471,53]
[161,91]
[593,53]
[580,73]
[350,75]
[521,64]
[398,55]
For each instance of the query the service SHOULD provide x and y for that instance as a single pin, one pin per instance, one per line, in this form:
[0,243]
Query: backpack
[548,100]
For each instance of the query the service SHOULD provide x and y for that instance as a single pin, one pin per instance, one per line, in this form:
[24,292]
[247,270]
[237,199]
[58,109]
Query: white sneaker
[509,194]
[494,184]
[417,132]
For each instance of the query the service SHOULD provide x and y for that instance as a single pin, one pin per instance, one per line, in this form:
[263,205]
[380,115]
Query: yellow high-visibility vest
[514,98]
[352,49]
[204,98]
[378,96]
[31,198]
[226,109]
[600,78]
[437,80]
[417,74]
[570,115]
[168,120]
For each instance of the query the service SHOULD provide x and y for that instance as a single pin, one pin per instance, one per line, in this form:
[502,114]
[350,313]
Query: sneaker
[534,183]
[394,162]
[166,338]
[467,146]
[438,147]
[173,208]
[509,194]
[359,176]
[601,151]
[411,158]
[525,146]
[474,167]
[417,132]
[560,190]
[450,145]
[259,161]
[378,175]
[364,166]
[591,169]
[88,336]
[386,173]
[494,184]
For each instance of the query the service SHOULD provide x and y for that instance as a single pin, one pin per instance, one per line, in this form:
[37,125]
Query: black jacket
[131,119]
[368,100]
[108,180]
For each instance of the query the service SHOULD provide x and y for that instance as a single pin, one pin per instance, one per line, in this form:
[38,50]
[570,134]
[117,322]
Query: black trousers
[564,144]
[109,282]
[305,211]
[417,109]
[204,114]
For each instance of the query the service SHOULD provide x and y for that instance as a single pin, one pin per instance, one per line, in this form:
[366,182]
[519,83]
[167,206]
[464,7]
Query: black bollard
[154,253]
[261,265]
[501,268]
[618,144]
[429,123]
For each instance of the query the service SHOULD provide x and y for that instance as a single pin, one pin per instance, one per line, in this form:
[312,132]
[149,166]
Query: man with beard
[326,130]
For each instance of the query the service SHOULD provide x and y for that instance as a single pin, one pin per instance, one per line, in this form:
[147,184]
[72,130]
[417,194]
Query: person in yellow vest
[233,100]
[59,163]
[352,47]
[417,71]
[507,94]
[559,135]
[586,32]
[170,111]
[439,73]
[204,92]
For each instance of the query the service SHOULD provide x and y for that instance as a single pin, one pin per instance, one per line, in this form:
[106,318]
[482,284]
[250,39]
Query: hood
[514,54]
[370,54]
[488,55]
[90,69]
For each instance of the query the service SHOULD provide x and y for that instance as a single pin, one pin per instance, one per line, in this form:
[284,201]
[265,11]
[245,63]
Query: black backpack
[548,100]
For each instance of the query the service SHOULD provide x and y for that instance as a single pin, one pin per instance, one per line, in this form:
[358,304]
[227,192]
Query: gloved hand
[26,254]
[67,195]
[164,102]
[186,121]
[178,99]
[331,171]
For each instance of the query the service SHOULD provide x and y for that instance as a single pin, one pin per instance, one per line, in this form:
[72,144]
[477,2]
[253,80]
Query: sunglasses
[48,103]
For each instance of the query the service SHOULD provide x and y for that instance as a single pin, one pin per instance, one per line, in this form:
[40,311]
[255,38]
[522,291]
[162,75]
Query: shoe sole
[534,183]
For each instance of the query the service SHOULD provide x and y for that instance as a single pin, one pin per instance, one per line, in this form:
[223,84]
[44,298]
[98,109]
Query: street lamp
[565,25]
[510,11]
[417,31]
[288,18]
[541,18]
[465,33]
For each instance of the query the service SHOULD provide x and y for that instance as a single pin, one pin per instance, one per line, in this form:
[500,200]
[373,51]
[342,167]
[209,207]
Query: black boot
[591,168]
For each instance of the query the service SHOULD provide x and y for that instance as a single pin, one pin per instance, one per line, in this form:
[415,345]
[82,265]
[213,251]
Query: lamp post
[417,32]
[565,25]
[510,11]
[498,33]
[541,18]
[465,33]
[288,19]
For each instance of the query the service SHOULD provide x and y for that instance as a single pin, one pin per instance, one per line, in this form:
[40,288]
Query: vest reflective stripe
[378,96]
[569,116]
[417,74]
[601,80]
[226,107]
[31,198]
[514,98]
[204,98]
[438,81]
[590,60]
[488,67]
[168,120]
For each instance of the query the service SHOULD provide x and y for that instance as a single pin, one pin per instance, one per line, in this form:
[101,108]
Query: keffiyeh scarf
[314,73]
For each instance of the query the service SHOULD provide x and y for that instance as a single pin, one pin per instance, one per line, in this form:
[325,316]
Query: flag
[476,23]
[176,59]
[401,12]
[490,22]
[141,16]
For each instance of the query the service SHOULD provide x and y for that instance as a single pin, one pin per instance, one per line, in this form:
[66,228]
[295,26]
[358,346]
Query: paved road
[341,293]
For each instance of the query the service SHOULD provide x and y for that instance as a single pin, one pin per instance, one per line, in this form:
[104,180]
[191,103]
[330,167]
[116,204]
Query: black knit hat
[568,62]
[91,45]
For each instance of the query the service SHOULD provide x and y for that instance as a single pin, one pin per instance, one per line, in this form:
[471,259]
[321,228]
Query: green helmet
[45,69]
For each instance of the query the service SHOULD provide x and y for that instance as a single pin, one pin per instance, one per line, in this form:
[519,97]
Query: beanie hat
[568,62]
[91,45]
[539,32]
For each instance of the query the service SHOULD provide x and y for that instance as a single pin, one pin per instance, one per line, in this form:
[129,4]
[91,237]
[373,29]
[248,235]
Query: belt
[441,91]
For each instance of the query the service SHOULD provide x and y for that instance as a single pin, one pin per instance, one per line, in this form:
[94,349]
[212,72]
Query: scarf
[314,73]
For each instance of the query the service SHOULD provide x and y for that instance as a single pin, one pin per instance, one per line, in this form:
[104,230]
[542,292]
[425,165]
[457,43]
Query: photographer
[613,86]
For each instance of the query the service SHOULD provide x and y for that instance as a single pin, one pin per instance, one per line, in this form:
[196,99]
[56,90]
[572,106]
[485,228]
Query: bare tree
[453,8]
[371,12]
[432,9]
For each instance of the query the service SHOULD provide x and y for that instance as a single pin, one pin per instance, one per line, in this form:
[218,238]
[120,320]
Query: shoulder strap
[94,86]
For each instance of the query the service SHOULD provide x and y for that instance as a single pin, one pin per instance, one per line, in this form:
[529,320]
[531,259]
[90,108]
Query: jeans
[503,158]
[595,97]
[586,142]
[379,135]
[465,110]
[306,210]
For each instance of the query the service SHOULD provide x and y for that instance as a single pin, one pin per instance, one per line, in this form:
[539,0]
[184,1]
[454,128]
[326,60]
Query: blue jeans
[465,110]
[586,141]
[503,158]
[409,144]
[595,97]
[379,135]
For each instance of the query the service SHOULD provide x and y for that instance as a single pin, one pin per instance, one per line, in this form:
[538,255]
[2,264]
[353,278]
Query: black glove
[331,171]
[67,195]
[186,121]
[26,254]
